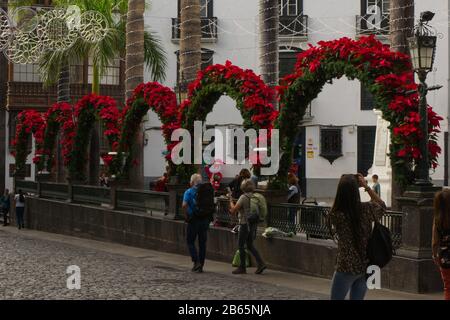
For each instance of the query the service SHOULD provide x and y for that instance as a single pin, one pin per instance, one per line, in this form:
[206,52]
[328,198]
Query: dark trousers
[197,229]
[291,220]
[19,217]
[245,239]
[5,216]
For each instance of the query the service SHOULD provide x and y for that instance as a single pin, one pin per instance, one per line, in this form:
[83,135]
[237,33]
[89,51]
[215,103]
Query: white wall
[338,104]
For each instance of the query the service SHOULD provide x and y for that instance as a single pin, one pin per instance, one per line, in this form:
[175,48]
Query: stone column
[176,190]
[416,267]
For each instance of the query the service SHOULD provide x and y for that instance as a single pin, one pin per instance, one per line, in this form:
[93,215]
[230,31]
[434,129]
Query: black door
[366,146]
[300,159]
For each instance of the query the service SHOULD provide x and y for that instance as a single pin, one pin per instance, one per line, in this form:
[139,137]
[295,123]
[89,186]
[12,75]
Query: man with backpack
[198,207]
[251,208]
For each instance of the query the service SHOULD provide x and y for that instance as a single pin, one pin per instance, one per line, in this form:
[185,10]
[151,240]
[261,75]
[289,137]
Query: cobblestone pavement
[33,268]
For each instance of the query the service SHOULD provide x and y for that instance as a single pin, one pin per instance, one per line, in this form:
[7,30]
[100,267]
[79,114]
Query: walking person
[20,209]
[293,198]
[351,221]
[198,207]
[441,238]
[247,227]
[5,201]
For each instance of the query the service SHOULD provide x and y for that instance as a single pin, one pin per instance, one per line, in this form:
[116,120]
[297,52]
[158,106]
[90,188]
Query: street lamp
[422,47]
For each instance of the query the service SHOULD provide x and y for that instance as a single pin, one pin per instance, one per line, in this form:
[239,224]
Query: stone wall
[312,257]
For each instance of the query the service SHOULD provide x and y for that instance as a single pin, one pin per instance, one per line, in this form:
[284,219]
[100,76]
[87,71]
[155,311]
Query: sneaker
[197,266]
[239,271]
[261,269]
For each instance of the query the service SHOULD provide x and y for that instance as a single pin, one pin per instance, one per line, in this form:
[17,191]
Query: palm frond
[155,56]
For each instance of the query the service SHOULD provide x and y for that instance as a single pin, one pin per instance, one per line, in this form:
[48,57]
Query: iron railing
[142,201]
[294,26]
[30,187]
[91,195]
[52,190]
[208,25]
[309,220]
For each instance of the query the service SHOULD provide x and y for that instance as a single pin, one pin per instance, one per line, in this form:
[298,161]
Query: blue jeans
[197,229]
[345,282]
[19,217]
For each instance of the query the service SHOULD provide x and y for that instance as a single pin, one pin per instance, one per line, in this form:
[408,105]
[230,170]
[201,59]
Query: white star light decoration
[54,30]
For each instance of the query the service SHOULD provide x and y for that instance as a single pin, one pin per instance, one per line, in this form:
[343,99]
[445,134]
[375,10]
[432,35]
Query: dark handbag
[379,247]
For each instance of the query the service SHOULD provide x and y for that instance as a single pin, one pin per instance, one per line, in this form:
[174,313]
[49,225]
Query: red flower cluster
[104,108]
[390,75]
[257,96]
[29,122]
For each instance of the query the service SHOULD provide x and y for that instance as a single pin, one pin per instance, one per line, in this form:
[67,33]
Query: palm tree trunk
[190,42]
[63,88]
[401,27]
[269,18]
[94,146]
[134,75]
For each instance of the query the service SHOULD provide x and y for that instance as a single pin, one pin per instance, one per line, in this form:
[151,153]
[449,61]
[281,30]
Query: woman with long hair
[441,237]
[20,209]
[351,223]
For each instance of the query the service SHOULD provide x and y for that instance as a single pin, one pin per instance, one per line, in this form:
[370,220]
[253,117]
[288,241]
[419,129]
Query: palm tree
[190,41]
[269,18]
[102,53]
[401,27]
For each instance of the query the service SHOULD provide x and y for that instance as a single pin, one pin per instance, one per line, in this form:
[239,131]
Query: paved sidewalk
[113,271]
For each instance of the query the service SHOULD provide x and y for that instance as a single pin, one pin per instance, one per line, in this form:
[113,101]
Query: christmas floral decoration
[29,122]
[253,99]
[58,117]
[149,96]
[386,74]
[88,110]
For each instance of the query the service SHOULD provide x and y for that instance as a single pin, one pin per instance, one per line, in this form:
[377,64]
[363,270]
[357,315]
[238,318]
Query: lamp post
[422,47]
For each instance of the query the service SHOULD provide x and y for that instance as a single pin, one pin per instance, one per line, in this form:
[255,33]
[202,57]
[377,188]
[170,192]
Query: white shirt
[19,204]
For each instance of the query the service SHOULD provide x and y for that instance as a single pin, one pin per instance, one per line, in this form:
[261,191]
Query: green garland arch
[386,74]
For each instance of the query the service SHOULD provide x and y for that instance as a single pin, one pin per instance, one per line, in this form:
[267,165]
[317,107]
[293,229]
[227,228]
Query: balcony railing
[366,25]
[209,29]
[308,220]
[294,27]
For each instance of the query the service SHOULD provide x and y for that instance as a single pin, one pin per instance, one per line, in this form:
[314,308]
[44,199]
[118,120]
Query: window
[331,143]
[111,74]
[207,60]
[288,59]
[206,9]
[376,6]
[26,73]
[291,7]
[367,99]
[77,72]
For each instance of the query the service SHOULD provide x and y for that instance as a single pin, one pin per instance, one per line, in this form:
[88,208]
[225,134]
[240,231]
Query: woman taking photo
[441,237]
[351,223]
[20,208]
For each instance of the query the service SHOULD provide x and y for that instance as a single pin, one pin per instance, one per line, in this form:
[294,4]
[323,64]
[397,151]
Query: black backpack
[379,247]
[204,202]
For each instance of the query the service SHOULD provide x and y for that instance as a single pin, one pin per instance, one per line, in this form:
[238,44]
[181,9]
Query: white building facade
[342,121]
[338,135]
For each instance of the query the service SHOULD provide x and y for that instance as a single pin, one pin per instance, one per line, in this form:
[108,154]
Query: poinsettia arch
[29,123]
[252,96]
[386,74]
[88,111]
[58,117]
[147,96]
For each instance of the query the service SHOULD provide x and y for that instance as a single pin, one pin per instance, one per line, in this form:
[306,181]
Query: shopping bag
[237,259]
